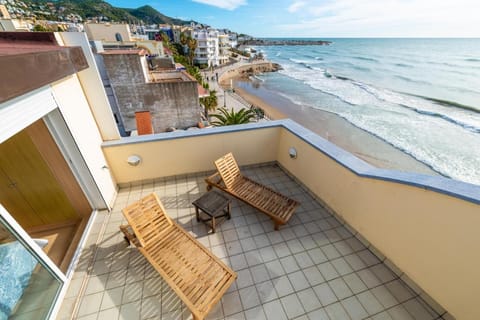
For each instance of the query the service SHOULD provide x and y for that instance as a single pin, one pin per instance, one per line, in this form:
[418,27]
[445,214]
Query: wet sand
[333,128]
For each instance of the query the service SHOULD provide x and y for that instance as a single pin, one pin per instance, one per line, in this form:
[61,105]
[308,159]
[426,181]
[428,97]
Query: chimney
[144,122]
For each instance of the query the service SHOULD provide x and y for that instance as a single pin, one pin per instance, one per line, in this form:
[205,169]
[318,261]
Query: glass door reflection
[28,289]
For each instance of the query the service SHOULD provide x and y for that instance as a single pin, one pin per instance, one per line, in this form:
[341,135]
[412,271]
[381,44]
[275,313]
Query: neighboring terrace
[169,76]
[171,96]
[317,266]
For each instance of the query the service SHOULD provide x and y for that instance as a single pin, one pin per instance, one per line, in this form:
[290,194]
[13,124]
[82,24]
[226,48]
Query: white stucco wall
[76,111]
[20,112]
[93,86]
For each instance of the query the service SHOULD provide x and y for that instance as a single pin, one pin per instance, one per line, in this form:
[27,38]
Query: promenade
[225,95]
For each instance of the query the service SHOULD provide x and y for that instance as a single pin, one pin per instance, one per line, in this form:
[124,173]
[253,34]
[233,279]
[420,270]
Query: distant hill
[98,9]
[151,16]
[93,8]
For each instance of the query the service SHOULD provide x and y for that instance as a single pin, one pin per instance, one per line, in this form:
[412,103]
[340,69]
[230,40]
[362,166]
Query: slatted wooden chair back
[147,218]
[228,169]
[229,179]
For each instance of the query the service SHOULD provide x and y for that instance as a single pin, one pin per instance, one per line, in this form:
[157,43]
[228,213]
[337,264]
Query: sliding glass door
[29,284]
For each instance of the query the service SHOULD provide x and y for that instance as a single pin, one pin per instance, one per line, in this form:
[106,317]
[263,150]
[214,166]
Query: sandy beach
[330,126]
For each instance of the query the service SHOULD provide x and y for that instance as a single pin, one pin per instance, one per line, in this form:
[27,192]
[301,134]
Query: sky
[327,18]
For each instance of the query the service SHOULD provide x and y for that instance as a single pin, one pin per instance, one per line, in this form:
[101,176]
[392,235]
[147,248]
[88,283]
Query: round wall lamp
[292,152]
[134,160]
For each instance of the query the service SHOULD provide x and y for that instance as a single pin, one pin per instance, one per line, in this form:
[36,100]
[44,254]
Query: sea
[421,96]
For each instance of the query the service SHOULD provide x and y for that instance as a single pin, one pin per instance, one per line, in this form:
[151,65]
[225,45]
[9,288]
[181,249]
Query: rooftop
[23,52]
[313,268]
[170,75]
[139,52]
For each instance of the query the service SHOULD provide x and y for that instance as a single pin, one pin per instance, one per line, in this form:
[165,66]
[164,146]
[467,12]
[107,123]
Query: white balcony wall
[93,86]
[76,112]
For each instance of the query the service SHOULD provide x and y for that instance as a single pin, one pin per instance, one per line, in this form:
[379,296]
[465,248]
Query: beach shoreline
[331,127]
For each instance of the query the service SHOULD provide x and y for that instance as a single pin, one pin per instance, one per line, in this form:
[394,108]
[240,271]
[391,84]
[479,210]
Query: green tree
[183,42]
[183,39]
[192,45]
[167,44]
[195,72]
[192,70]
[227,118]
[181,59]
[209,103]
[39,28]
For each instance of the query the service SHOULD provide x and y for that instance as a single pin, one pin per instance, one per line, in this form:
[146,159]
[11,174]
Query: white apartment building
[223,48]
[207,51]
[232,37]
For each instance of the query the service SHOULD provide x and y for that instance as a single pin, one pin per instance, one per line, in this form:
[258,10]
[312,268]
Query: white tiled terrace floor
[313,268]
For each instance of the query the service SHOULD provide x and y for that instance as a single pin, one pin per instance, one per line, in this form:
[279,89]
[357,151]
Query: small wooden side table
[214,205]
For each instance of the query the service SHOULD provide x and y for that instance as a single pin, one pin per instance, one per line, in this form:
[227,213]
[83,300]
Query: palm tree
[192,45]
[183,42]
[210,102]
[227,118]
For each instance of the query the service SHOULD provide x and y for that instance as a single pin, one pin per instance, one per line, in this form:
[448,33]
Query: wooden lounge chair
[229,179]
[197,276]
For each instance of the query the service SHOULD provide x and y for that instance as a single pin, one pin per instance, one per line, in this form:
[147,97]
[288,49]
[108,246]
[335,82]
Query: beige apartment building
[108,32]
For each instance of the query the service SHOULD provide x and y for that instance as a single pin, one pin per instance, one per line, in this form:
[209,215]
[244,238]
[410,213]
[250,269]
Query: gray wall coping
[459,189]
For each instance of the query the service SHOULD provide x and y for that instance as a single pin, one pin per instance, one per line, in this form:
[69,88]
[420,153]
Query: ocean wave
[403,65]
[407,79]
[365,58]
[336,94]
[334,85]
[399,147]
[343,78]
[472,59]
[299,61]
[467,72]
[328,74]
[415,154]
[444,160]
[292,99]
[448,103]
[357,67]
[454,104]
[441,153]
[310,56]
[415,106]
[466,126]
[350,93]
[256,78]
[453,65]
[304,63]
[448,64]
[376,93]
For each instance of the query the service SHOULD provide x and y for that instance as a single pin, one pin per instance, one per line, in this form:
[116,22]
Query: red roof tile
[202,92]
